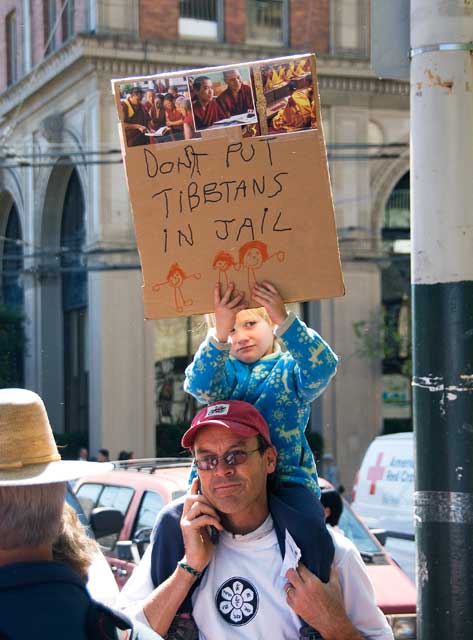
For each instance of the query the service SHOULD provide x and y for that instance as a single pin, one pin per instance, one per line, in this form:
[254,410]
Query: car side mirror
[381,535]
[105,521]
[142,539]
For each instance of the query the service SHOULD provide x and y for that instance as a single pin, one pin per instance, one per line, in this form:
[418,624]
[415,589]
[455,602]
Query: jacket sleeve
[314,361]
[209,376]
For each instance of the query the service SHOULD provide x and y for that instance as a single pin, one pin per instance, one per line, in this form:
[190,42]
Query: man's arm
[320,604]
[161,605]
[315,362]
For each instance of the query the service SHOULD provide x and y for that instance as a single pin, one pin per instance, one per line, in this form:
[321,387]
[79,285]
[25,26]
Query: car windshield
[355,531]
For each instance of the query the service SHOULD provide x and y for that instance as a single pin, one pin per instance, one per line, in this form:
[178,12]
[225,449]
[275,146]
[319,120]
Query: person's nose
[240,336]
[223,469]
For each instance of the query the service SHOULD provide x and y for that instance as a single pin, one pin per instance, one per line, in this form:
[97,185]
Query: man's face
[233,80]
[135,98]
[239,492]
[206,92]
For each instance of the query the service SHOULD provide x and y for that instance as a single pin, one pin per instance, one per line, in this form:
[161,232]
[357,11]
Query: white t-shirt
[242,593]
[262,576]
[358,592]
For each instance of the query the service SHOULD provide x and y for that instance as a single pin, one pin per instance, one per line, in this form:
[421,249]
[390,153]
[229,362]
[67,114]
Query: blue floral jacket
[281,386]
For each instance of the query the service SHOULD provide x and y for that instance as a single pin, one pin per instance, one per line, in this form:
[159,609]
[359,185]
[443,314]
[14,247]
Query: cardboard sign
[241,198]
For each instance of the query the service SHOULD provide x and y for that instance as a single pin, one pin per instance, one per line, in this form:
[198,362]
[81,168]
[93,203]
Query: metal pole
[442,294]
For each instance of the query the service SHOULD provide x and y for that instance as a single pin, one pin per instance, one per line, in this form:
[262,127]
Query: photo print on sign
[222,99]
[228,201]
[156,111]
[288,92]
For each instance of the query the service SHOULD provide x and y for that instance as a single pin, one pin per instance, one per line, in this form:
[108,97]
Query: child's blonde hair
[258,312]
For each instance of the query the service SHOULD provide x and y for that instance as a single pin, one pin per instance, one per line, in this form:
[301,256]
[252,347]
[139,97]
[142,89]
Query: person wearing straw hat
[40,597]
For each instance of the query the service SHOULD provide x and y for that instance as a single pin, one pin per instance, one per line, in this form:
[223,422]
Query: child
[241,360]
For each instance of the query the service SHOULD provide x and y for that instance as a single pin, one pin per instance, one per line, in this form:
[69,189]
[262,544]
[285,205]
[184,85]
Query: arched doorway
[12,303]
[396,296]
[74,310]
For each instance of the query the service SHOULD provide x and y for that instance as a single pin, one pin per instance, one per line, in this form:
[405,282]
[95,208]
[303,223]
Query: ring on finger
[289,588]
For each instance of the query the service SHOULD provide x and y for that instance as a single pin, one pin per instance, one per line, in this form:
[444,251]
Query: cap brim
[235,427]
[59,471]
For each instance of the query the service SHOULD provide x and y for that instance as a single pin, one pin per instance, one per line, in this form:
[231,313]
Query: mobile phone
[213,531]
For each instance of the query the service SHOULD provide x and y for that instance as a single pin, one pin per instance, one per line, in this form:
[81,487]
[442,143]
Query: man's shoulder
[344,547]
[43,572]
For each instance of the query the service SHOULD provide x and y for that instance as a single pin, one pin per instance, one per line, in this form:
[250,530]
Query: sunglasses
[231,459]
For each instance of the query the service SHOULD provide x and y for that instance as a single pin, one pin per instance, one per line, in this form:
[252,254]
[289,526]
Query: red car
[142,489]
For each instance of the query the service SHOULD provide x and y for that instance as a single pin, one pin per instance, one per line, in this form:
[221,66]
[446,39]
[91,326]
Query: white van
[383,495]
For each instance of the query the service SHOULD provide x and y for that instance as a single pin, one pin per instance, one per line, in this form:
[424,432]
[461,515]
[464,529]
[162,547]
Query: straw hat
[28,452]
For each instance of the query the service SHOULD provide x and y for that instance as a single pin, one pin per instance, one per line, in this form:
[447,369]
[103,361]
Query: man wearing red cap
[247,585]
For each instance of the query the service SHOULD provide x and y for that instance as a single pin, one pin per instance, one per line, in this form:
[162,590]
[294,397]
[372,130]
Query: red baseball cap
[240,417]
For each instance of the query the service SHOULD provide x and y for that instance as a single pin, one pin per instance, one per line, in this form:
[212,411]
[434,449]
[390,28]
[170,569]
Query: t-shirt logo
[217,410]
[237,601]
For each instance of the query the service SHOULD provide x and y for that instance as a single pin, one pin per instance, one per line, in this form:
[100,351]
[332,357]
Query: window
[49,21]
[11,302]
[87,495]
[199,19]
[150,506]
[266,21]
[67,19]
[116,498]
[99,495]
[349,22]
[396,224]
[12,64]
[74,305]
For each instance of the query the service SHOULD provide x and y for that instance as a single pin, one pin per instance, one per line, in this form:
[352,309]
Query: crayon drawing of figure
[175,279]
[253,255]
[223,261]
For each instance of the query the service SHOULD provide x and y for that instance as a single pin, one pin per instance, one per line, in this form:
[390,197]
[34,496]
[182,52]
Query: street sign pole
[442,295]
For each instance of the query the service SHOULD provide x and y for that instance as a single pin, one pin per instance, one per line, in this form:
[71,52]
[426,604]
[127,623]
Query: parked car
[141,490]
[383,495]
[138,489]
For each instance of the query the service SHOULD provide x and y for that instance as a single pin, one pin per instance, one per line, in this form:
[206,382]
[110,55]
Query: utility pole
[442,295]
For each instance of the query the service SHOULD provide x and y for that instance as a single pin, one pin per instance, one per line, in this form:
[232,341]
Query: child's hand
[266,295]
[226,308]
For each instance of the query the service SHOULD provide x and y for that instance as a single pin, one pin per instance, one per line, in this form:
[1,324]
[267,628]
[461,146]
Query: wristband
[186,567]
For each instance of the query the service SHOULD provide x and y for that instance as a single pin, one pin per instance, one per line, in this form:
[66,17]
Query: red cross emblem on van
[376,473]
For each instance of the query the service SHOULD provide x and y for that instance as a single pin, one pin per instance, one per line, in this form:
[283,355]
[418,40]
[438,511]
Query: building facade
[67,247]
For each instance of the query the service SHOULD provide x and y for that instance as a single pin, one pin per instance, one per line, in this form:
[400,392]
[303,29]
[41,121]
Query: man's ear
[271,459]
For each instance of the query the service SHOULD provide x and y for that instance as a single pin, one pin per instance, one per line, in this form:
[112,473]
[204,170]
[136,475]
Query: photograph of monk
[222,99]
[156,111]
[289,94]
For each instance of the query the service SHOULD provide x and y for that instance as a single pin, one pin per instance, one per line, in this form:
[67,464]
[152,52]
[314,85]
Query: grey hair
[30,515]
[225,73]
[185,102]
